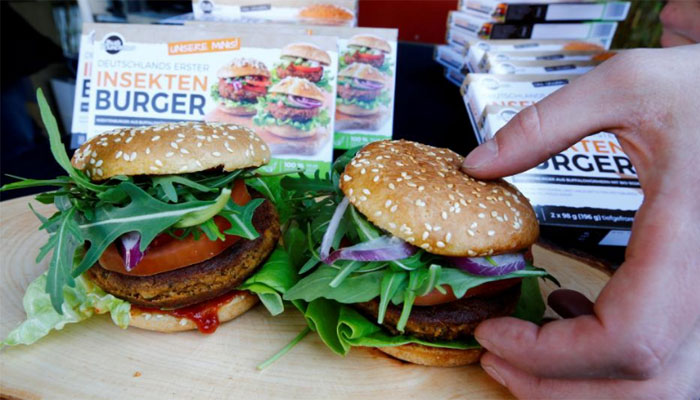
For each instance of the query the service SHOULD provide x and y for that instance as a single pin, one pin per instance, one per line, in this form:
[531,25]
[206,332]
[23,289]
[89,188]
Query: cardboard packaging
[547,10]
[301,12]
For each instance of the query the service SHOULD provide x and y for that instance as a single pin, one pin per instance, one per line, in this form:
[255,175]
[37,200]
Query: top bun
[175,148]
[327,11]
[242,67]
[298,87]
[362,71]
[371,41]
[308,51]
[418,193]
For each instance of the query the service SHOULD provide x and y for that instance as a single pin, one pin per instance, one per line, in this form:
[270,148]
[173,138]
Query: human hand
[681,20]
[643,339]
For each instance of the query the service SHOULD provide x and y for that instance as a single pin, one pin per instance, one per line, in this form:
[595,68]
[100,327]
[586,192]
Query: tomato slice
[264,82]
[434,297]
[306,70]
[369,57]
[166,253]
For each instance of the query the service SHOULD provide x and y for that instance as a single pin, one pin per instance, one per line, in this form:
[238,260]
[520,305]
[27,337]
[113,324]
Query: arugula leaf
[241,218]
[354,289]
[194,218]
[166,183]
[64,243]
[390,286]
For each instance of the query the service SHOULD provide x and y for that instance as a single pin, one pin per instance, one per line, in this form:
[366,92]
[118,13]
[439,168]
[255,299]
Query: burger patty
[199,282]
[449,321]
[348,92]
[281,111]
[354,57]
[227,91]
[291,71]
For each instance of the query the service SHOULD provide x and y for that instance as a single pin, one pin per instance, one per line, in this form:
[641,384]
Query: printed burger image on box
[366,77]
[305,12]
[149,74]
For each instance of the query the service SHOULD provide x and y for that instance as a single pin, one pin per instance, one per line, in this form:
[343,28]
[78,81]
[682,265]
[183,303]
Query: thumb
[582,107]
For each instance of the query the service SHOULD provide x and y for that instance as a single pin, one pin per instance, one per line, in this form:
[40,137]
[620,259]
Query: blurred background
[47,34]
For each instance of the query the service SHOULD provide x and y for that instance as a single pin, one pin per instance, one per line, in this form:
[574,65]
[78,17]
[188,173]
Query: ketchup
[205,314]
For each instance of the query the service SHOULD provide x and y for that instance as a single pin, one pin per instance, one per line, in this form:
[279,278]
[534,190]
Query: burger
[304,60]
[156,226]
[241,84]
[414,254]
[367,49]
[293,109]
[361,91]
[327,14]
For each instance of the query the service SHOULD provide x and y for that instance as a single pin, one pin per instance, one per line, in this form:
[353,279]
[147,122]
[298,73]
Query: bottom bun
[355,111]
[240,111]
[433,356]
[163,322]
[289,132]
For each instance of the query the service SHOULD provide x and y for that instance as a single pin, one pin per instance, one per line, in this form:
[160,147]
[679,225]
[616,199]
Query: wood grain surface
[97,360]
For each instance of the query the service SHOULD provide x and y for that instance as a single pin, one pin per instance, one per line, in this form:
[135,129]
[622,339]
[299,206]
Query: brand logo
[113,43]
[207,6]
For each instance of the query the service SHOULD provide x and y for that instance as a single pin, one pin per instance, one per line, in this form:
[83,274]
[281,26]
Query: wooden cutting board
[97,360]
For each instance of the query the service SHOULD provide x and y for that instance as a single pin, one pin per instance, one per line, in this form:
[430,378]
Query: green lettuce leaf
[82,301]
[382,99]
[273,279]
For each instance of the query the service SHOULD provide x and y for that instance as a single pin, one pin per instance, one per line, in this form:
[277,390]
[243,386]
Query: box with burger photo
[316,12]
[547,10]
[591,187]
[148,74]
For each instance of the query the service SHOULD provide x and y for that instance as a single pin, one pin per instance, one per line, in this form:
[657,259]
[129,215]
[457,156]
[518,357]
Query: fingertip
[490,364]
[481,157]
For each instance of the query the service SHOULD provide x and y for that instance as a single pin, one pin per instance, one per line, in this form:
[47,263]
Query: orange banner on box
[204,46]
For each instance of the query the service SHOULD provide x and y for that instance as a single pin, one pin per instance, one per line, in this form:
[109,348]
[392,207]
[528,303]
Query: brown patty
[449,321]
[199,282]
[283,112]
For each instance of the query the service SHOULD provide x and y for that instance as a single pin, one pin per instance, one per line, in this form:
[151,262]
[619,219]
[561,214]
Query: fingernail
[482,155]
[487,344]
[494,374]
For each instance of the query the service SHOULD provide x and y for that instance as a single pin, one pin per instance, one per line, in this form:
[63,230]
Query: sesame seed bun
[298,87]
[173,148]
[371,41]
[362,71]
[419,194]
[433,356]
[326,12]
[308,51]
[242,67]
[161,322]
[357,111]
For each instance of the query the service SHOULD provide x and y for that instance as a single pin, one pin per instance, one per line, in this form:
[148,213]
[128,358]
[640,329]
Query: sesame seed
[437,228]
[153,168]
[494,214]
[444,215]
[119,154]
[350,191]
[440,244]
[481,205]
[133,156]
[388,203]
[426,246]
[491,233]
[363,171]
[125,157]
[169,154]
[92,161]
[184,151]
[392,186]
[420,203]
[99,171]
[376,179]
[363,198]
[473,225]
[347,178]
[183,322]
[173,145]
[377,214]
[216,154]
[421,188]
[392,225]
[159,163]
[184,167]
[393,208]
[425,235]
[428,227]
[366,191]
[148,150]
[471,253]
[199,144]
[99,163]
[470,232]
[482,215]
[448,237]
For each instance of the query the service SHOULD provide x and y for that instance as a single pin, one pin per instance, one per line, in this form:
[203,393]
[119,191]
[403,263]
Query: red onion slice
[383,248]
[369,85]
[129,247]
[505,264]
[303,102]
[332,228]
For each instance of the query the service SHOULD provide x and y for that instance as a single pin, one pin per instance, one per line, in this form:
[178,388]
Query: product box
[561,55]
[79,125]
[539,67]
[481,27]
[591,186]
[476,50]
[455,76]
[367,62]
[149,74]
[482,90]
[304,12]
[450,57]
[546,10]
[457,36]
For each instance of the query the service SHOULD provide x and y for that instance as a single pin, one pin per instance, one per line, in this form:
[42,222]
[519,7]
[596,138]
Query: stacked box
[509,55]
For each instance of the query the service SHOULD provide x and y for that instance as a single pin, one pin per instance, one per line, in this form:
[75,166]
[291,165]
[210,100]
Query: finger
[671,39]
[680,380]
[642,315]
[682,18]
[551,125]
